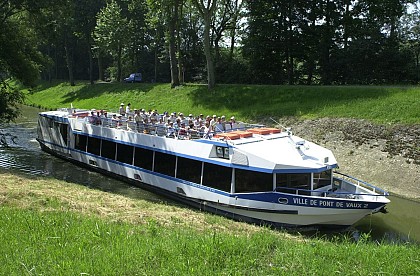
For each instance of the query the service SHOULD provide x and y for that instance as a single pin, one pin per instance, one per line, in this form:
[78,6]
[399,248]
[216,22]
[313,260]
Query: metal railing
[360,183]
[160,130]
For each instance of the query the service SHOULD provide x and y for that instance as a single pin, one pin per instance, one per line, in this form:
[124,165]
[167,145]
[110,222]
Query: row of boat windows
[214,176]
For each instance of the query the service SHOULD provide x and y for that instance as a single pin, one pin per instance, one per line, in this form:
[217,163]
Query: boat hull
[265,210]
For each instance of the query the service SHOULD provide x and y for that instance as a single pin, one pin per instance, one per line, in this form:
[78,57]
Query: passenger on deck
[173,117]
[170,130]
[213,121]
[182,132]
[223,122]
[128,109]
[146,126]
[121,110]
[92,118]
[208,132]
[119,121]
[233,123]
[143,114]
[219,126]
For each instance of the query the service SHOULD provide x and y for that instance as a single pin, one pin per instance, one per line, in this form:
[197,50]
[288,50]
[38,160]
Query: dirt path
[386,156]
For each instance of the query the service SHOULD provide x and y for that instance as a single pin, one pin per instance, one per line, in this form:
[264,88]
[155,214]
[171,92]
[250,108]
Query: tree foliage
[19,54]
[111,33]
[213,41]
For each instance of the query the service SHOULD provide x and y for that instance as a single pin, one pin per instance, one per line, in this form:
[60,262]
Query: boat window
[289,182]
[189,169]
[80,142]
[217,177]
[251,181]
[63,132]
[143,158]
[108,149]
[125,153]
[222,152]
[94,145]
[50,122]
[165,163]
[322,179]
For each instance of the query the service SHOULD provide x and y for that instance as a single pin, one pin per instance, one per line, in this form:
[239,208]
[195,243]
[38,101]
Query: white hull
[320,208]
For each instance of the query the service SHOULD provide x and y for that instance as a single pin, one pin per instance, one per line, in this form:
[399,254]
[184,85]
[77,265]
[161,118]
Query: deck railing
[360,183]
[327,193]
[160,130]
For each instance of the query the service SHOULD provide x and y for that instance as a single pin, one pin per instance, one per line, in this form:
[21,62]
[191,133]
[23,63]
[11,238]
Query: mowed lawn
[380,104]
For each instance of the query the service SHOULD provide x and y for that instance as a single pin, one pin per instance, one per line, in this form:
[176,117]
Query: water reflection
[402,223]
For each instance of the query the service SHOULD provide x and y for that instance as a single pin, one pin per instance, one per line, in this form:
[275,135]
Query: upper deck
[254,146]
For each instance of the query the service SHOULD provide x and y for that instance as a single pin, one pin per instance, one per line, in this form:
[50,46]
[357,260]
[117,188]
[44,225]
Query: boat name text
[329,203]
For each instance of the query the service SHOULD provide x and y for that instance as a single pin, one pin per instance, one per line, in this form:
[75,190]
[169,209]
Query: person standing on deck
[122,110]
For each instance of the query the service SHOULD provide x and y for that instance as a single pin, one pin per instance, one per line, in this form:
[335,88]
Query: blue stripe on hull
[199,204]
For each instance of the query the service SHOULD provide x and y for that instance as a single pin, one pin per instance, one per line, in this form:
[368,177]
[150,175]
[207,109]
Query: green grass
[51,227]
[66,243]
[380,104]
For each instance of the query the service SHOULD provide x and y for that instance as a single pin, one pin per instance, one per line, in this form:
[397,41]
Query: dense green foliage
[67,243]
[384,104]
[259,41]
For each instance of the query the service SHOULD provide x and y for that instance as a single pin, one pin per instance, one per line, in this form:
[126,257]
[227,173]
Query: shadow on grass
[248,101]
[83,90]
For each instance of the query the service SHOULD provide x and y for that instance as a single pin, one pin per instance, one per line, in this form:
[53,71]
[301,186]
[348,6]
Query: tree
[85,22]
[207,9]
[167,12]
[19,57]
[110,33]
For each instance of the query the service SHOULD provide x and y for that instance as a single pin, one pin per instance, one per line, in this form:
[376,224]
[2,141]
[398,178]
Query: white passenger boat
[249,173]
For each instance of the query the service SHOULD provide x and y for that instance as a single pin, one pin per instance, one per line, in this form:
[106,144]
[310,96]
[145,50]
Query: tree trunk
[119,54]
[327,44]
[100,67]
[207,52]
[180,61]
[69,60]
[233,32]
[207,10]
[156,64]
[90,65]
[290,45]
[172,47]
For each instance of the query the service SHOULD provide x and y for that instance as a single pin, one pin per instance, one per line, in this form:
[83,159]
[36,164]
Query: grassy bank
[53,227]
[381,104]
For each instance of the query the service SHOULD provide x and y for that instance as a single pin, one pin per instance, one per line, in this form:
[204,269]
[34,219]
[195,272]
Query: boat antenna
[278,123]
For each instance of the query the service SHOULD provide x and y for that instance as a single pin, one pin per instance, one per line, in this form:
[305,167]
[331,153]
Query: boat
[247,172]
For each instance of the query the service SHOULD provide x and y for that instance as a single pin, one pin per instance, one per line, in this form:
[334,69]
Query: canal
[402,223]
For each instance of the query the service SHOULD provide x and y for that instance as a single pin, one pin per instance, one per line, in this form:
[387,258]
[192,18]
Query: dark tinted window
[294,181]
[143,158]
[63,132]
[189,170]
[217,177]
[108,149]
[250,181]
[165,163]
[80,142]
[94,145]
[125,153]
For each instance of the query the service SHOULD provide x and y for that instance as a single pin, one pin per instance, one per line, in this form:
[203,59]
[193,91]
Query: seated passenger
[219,126]
[182,132]
[170,132]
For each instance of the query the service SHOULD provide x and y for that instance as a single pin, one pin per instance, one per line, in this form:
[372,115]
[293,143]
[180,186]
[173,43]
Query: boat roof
[253,147]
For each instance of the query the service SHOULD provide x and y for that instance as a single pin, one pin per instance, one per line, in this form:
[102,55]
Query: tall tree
[167,13]
[19,57]
[207,9]
[110,33]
